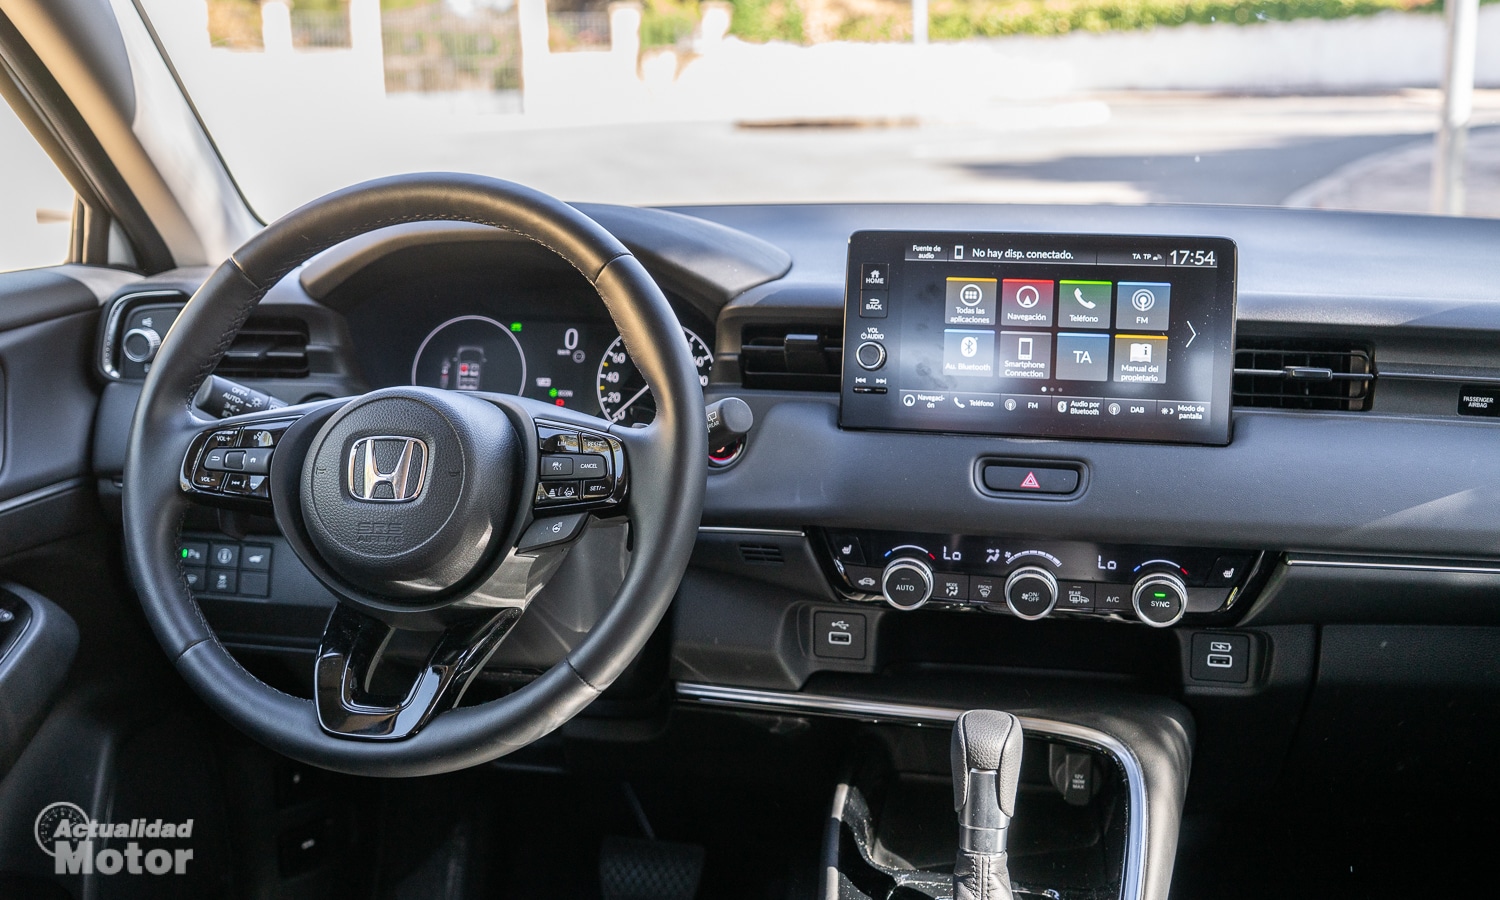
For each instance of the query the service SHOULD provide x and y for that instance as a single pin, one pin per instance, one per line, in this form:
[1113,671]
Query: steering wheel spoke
[229,462]
[355,645]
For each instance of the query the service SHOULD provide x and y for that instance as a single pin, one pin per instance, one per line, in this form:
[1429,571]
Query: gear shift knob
[986,752]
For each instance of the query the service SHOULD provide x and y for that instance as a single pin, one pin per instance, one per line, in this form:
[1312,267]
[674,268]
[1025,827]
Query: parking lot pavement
[1112,148]
[1399,180]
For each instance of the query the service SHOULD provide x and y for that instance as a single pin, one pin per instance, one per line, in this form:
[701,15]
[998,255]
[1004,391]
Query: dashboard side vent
[761,554]
[267,348]
[791,358]
[1299,374]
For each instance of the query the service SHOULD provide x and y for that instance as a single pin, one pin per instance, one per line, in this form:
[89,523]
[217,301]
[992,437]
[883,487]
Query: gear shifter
[986,769]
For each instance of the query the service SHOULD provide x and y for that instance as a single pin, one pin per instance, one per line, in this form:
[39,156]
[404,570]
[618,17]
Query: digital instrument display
[582,365]
[1084,336]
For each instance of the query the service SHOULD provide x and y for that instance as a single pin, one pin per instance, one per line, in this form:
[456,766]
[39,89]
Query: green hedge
[959,19]
[784,20]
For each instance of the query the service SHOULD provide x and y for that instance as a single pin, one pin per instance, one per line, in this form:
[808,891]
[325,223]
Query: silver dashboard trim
[1134,881]
[1452,569]
[728,529]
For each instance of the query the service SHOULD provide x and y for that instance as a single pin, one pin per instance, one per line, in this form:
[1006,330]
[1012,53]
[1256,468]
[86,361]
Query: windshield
[1311,103]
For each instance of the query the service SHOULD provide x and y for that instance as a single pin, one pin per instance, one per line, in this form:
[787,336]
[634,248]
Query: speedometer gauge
[623,394]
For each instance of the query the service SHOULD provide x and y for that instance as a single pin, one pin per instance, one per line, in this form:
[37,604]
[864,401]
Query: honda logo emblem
[387,469]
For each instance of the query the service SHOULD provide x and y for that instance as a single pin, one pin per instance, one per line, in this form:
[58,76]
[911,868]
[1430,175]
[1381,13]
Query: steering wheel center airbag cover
[406,491]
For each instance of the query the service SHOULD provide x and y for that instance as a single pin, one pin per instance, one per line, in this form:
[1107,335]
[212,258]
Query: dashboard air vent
[761,554]
[791,358]
[1319,375]
[267,348]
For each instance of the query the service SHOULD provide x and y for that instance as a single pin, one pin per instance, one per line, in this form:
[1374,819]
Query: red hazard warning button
[1030,479]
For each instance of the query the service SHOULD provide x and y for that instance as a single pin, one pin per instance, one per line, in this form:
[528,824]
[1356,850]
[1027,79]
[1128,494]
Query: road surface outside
[1364,151]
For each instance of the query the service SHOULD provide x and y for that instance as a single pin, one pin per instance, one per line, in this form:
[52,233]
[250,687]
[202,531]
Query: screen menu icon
[1026,303]
[1141,358]
[1084,304]
[970,301]
[1025,354]
[1144,306]
[1083,357]
[969,353]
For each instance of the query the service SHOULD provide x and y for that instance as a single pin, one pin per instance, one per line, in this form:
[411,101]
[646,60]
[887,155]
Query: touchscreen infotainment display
[1047,335]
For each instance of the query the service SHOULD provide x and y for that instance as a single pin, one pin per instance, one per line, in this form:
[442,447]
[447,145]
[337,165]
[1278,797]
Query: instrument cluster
[549,344]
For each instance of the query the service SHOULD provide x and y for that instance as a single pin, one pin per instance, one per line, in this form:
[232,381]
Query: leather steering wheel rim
[665,501]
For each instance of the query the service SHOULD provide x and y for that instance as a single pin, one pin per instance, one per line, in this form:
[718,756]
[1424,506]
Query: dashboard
[1315,519]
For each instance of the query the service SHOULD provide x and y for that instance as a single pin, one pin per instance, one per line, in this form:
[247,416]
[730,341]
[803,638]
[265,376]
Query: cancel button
[1479,400]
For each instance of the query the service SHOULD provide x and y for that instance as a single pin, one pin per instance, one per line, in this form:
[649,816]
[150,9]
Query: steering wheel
[420,510]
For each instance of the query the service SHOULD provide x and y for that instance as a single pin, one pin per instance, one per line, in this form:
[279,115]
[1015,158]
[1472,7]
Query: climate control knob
[1160,599]
[1031,592]
[907,583]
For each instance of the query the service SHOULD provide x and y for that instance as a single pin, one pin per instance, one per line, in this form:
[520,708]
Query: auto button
[907,583]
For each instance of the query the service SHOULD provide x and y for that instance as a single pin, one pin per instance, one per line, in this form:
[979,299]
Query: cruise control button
[553,466]
[555,440]
[552,492]
[591,444]
[590,466]
[555,530]
[598,490]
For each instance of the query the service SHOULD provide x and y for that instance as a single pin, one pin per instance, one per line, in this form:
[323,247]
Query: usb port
[840,638]
[1220,660]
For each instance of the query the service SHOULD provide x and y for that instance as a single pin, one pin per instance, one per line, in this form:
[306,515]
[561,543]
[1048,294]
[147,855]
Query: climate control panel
[1032,579]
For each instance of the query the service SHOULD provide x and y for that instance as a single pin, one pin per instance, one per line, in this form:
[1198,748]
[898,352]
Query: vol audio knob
[1031,592]
[1160,599]
[907,583]
[870,355]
